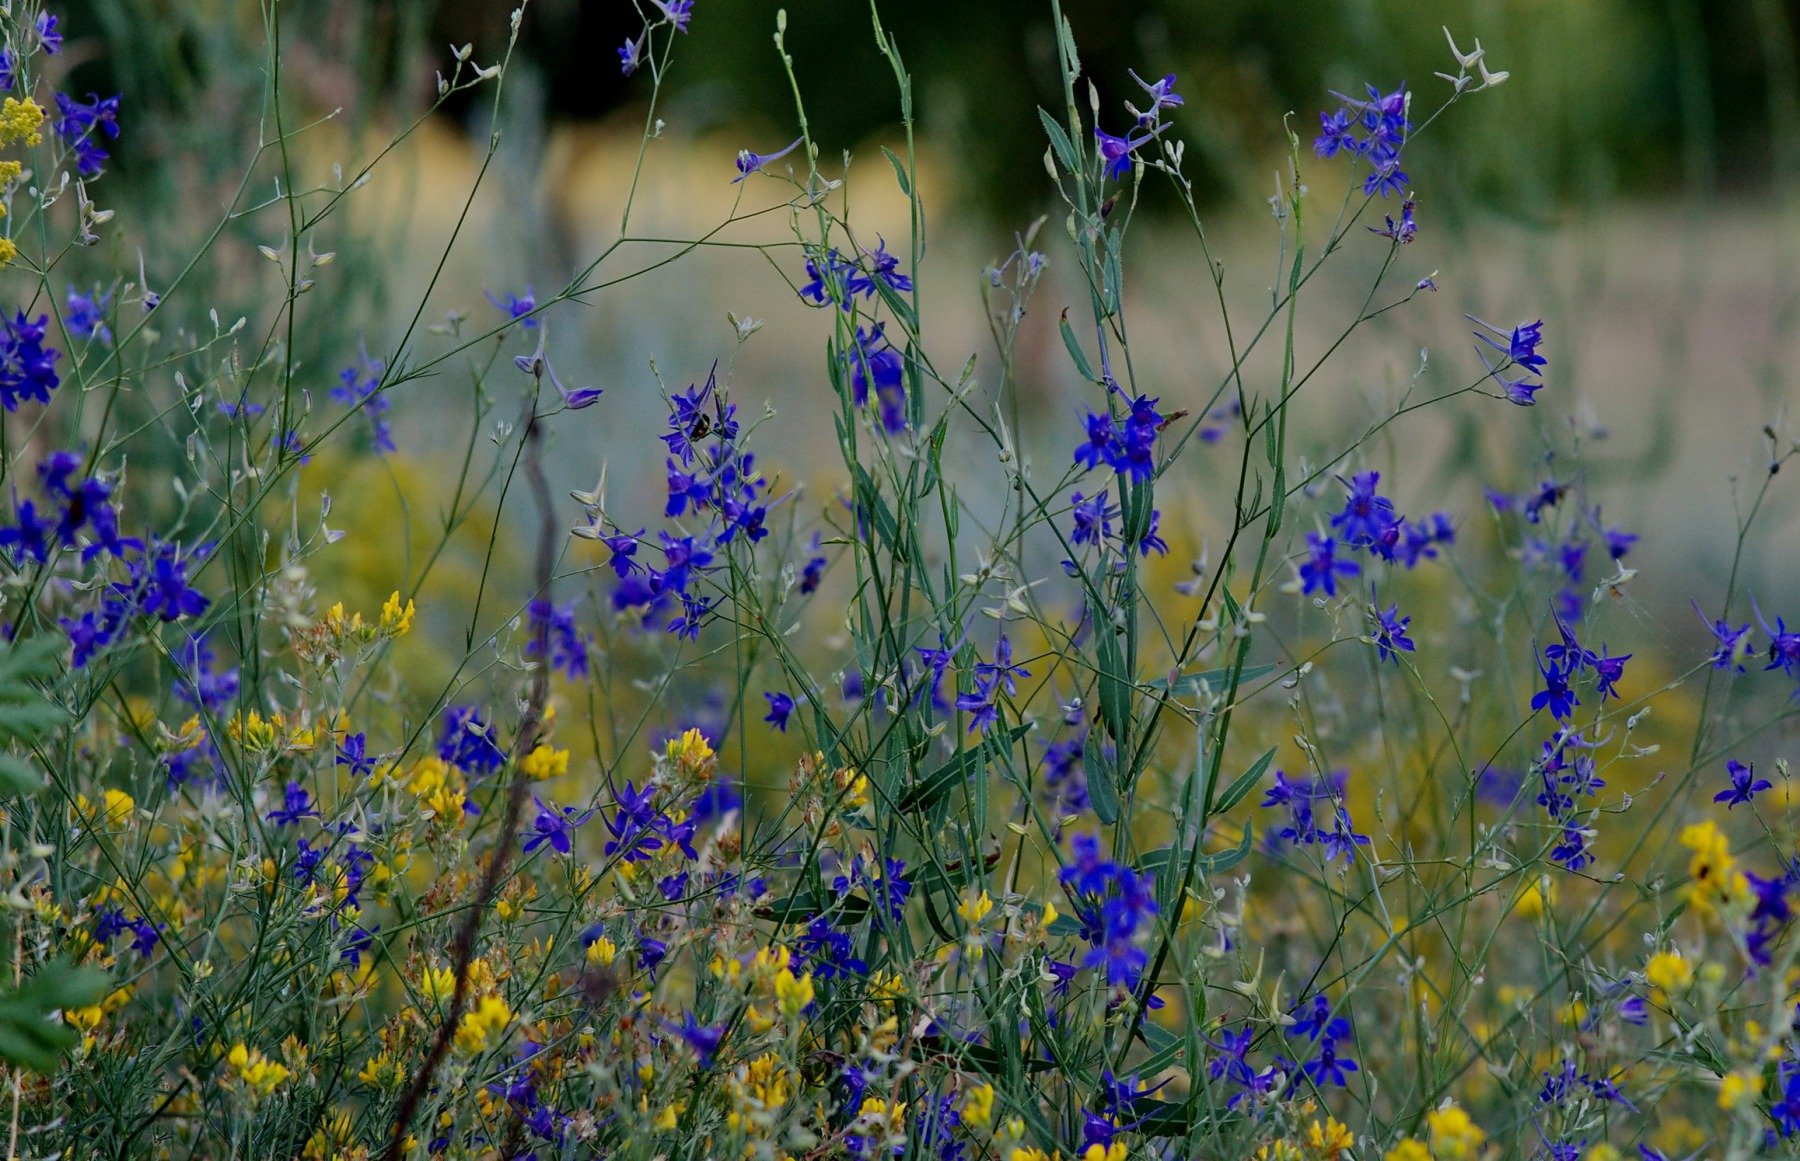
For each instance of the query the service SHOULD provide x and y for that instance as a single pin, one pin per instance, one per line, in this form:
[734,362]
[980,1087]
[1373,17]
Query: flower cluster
[1373,131]
[1338,837]
[1116,909]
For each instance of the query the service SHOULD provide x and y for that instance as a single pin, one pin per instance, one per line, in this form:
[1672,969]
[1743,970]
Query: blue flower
[360,386]
[631,54]
[749,163]
[990,679]
[1372,130]
[1162,96]
[467,741]
[1390,631]
[781,706]
[554,632]
[1126,444]
[27,367]
[1732,645]
[1744,783]
[353,752]
[554,826]
[296,805]
[85,315]
[1093,518]
[1556,696]
[1322,568]
[200,685]
[76,122]
[875,361]
[49,37]
[519,308]
[1403,231]
[676,12]
[1367,516]
[1117,151]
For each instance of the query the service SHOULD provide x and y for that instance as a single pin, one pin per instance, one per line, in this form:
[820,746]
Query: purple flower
[781,706]
[631,54]
[749,163]
[1403,231]
[1126,444]
[353,752]
[1322,567]
[1117,151]
[49,38]
[76,122]
[85,315]
[990,679]
[1744,783]
[1162,96]
[676,12]
[518,308]
[554,826]
[1093,518]
[1367,516]
[1733,645]
[468,743]
[875,361]
[296,805]
[27,367]
[1390,631]
[1556,696]
[554,632]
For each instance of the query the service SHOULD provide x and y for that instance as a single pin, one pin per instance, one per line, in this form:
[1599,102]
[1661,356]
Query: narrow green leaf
[899,170]
[1103,791]
[1076,353]
[1244,783]
[926,792]
[1212,680]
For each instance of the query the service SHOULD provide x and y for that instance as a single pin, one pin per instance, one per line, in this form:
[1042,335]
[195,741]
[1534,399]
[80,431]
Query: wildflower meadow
[1194,765]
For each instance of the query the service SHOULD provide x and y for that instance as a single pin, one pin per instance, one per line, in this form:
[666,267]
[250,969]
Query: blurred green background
[1636,183]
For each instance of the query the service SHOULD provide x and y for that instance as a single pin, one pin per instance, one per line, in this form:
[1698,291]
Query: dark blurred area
[1646,97]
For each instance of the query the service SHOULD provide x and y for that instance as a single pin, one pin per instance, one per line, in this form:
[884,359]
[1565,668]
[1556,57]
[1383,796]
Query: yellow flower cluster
[394,621]
[255,1071]
[481,1027]
[115,810]
[1668,973]
[759,1090]
[439,788]
[20,121]
[1716,881]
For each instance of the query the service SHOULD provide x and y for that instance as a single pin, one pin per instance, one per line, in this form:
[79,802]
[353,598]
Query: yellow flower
[114,812]
[20,121]
[691,750]
[1028,1154]
[1602,1152]
[1716,880]
[670,1115]
[974,909]
[1668,972]
[758,1090]
[545,762]
[1330,1140]
[1534,897]
[480,1027]
[1454,1137]
[438,984]
[793,993]
[1097,1152]
[1408,1149]
[259,1074]
[1739,1090]
[601,952]
[9,250]
[11,171]
[395,620]
[978,1105]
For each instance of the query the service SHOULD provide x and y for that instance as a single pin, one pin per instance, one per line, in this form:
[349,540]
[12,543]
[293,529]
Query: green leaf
[1076,353]
[1214,680]
[936,785]
[1059,141]
[1244,783]
[1103,791]
[30,1035]
[18,776]
[899,170]
[1225,860]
